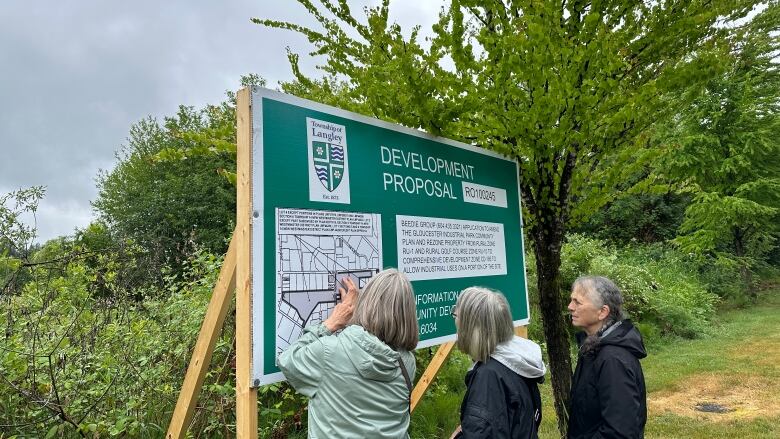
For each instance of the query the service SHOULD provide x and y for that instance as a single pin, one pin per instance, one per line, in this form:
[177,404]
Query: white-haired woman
[502,395]
[608,394]
[356,367]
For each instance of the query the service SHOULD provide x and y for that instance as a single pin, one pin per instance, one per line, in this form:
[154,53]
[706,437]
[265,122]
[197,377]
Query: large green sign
[337,195]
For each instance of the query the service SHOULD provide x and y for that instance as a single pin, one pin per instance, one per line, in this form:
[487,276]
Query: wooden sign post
[234,275]
[246,395]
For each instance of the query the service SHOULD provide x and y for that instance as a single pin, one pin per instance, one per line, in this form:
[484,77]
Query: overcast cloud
[75,75]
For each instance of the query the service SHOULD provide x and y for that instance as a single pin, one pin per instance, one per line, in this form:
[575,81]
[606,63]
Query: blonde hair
[386,309]
[483,321]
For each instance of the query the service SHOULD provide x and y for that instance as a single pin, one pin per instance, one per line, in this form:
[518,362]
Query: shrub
[74,364]
[438,412]
[661,286]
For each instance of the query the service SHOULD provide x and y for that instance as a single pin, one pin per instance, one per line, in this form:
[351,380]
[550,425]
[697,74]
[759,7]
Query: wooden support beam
[521,331]
[221,299]
[246,395]
[430,372]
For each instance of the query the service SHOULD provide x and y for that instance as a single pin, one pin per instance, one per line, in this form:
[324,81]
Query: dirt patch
[745,397]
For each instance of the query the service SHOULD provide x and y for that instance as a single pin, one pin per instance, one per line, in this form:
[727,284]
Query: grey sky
[75,75]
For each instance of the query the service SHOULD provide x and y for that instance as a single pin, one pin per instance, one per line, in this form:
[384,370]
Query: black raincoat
[608,396]
[502,398]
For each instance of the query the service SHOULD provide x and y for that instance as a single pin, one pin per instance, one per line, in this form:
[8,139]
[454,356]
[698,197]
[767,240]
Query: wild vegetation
[647,135]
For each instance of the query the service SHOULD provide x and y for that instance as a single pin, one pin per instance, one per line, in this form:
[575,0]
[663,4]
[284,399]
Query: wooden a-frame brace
[235,276]
[213,321]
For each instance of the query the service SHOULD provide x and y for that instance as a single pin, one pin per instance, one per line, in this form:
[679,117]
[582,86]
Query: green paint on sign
[339,194]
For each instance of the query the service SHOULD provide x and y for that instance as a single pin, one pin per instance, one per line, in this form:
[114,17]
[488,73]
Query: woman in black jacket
[502,397]
[608,396]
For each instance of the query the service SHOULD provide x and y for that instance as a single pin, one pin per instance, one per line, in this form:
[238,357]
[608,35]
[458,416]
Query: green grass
[737,366]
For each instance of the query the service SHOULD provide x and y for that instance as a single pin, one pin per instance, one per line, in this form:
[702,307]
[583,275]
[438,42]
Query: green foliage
[679,303]
[167,208]
[438,412]
[15,235]
[662,288]
[83,364]
[173,190]
[79,363]
[644,218]
[726,147]
[557,85]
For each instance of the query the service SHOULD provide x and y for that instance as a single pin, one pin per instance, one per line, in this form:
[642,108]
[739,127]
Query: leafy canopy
[168,207]
[557,85]
[725,146]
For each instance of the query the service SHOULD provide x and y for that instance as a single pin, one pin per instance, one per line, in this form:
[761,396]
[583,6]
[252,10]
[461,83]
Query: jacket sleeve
[620,400]
[475,425]
[480,410]
[302,362]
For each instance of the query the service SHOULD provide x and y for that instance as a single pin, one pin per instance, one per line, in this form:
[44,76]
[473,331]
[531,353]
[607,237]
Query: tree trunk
[547,248]
[744,269]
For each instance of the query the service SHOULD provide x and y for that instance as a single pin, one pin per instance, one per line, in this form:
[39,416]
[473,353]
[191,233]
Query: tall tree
[725,146]
[168,206]
[558,85]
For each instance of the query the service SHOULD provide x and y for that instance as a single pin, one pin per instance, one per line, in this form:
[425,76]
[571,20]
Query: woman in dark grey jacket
[502,397]
[608,397]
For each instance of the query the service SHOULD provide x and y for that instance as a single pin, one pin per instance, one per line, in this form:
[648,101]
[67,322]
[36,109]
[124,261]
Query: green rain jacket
[354,383]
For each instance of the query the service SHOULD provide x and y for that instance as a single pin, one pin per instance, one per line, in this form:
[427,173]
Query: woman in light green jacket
[356,367]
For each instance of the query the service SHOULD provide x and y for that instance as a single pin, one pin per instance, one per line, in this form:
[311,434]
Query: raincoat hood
[622,334]
[522,356]
[373,359]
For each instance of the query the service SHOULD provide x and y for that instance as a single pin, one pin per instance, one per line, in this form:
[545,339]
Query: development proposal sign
[337,195]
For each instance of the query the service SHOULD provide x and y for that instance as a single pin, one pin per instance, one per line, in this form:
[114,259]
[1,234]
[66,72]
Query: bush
[76,364]
[437,414]
[679,302]
[661,286]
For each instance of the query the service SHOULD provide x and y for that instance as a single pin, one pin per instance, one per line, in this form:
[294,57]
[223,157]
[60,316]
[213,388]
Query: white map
[315,250]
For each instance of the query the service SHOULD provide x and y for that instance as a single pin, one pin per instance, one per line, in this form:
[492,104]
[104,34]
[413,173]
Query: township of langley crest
[328,164]
[328,161]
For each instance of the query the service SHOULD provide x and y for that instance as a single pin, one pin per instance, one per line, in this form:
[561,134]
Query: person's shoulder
[611,354]
[497,379]
[407,357]
[492,369]
[490,366]
[485,381]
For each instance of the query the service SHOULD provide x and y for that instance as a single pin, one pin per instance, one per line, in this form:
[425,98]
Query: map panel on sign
[316,250]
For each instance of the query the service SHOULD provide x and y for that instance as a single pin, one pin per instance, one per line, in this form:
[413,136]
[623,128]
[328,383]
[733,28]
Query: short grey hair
[386,308]
[603,291]
[483,320]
